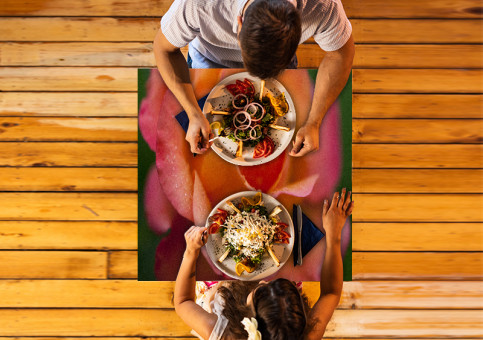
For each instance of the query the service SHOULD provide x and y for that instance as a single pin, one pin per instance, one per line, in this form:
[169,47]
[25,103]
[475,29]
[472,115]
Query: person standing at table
[262,36]
[269,310]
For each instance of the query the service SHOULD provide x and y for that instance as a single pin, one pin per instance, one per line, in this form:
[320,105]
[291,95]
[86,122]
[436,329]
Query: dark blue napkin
[182,117]
[311,235]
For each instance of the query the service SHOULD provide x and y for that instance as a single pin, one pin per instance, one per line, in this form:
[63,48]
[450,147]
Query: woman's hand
[199,133]
[306,140]
[195,239]
[333,217]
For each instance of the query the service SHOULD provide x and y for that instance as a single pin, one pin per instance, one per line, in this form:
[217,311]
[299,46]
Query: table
[181,189]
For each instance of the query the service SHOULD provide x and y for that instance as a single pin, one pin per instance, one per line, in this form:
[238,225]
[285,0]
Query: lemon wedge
[216,126]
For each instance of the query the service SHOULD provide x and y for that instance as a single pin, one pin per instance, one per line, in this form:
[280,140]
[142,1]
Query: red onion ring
[254,129]
[252,114]
[242,124]
[235,98]
[238,138]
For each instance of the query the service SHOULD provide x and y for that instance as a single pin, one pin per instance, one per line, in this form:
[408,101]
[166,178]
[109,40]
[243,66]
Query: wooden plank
[413,31]
[52,265]
[68,129]
[417,181]
[67,235]
[417,156]
[353,8]
[137,29]
[91,322]
[144,29]
[68,104]
[417,265]
[86,294]
[413,9]
[123,265]
[413,295]
[140,54]
[68,206]
[419,56]
[130,54]
[80,29]
[417,237]
[416,130]
[417,208]
[40,154]
[417,106]
[401,56]
[115,338]
[146,322]
[151,294]
[84,8]
[68,179]
[67,78]
[416,81]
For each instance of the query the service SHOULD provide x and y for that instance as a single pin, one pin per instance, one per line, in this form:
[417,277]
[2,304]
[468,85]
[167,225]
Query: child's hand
[333,217]
[195,239]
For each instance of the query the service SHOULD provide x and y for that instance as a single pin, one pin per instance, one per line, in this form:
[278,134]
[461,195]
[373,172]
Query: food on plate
[249,117]
[248,231]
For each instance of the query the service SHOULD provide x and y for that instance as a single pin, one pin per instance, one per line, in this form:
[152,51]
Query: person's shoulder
[326,4]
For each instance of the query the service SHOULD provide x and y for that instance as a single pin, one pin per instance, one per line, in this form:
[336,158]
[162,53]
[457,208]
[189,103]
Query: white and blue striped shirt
[210,28]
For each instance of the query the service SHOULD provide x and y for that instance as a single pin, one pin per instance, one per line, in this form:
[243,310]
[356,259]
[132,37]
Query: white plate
[266,267]
[219,98]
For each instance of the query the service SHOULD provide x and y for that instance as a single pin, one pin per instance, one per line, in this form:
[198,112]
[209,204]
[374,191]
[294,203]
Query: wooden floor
[68,157]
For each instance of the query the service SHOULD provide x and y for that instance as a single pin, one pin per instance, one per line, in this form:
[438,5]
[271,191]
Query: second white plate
[267,267]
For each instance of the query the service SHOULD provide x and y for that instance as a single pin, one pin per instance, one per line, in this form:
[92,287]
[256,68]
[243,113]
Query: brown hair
[269,37]
[235,295]
[280,309]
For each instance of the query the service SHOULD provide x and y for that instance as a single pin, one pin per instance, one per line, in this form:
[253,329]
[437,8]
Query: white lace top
[212,302]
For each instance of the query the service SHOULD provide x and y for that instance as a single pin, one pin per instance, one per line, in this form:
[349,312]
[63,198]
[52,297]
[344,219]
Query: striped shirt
[210,28]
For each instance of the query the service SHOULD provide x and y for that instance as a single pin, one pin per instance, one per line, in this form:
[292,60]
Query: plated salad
[248,231]
[250,116]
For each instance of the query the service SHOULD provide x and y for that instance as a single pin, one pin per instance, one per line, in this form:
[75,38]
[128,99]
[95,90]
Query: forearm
[331,278]
[184,288]
[332,75]
[174,70]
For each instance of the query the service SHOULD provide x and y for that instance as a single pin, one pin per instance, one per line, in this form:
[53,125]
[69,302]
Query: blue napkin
[311,235]
[182,117]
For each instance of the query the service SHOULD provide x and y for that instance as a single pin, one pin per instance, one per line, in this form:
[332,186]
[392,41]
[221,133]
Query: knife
[299,224]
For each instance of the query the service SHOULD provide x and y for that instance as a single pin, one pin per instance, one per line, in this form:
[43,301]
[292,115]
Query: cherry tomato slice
[222,212]
[251,88]
[284,240]
[283,234]
[213,228]
[233,89]
[260,149]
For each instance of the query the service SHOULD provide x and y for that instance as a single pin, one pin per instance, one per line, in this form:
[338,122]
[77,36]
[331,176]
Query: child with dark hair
[264,310]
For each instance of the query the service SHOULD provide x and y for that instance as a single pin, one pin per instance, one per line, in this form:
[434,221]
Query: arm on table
[332,76]
[331,277]
[173,68]
[184,290]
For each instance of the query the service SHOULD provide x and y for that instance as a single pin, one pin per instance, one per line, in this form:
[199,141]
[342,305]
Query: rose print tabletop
[177,190]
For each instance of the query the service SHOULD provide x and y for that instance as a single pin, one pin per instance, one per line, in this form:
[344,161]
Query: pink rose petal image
[157,208]
[188,187]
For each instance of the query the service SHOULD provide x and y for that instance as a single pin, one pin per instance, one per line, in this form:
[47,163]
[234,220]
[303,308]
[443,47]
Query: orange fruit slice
[239,268]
